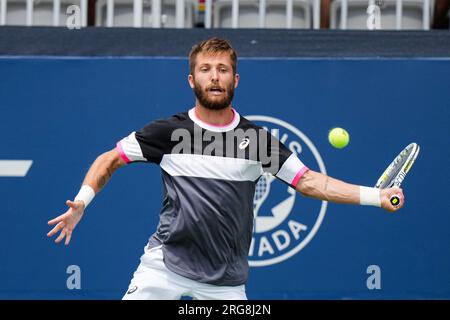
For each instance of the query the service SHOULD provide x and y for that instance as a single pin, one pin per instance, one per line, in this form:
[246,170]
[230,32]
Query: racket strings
[395,170]
[398,167]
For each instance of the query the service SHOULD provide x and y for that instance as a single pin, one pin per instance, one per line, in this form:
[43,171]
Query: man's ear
[236,80]
[191,81]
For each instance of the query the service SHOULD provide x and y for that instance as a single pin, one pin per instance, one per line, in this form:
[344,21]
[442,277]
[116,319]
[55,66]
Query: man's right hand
[67,221]
[386,195]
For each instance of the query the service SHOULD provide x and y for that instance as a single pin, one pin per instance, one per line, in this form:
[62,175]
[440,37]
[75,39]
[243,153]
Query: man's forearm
[102,170]
[320,186]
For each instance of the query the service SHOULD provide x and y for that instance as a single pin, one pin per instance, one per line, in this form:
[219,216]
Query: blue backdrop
[61,113]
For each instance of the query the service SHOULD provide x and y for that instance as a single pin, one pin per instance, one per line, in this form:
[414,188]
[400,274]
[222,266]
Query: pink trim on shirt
[298,176]
[216,125]
[122,153]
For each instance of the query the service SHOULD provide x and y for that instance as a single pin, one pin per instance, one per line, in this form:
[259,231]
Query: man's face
[213,81]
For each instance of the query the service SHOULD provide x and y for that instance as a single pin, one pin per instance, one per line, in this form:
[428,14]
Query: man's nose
[214,75]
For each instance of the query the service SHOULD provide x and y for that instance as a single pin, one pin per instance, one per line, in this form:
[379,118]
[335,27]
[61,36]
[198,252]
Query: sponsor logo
[132,289]
[285,222]
[244,143]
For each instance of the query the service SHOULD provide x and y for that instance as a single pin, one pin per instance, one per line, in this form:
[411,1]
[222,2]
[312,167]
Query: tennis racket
[396,172]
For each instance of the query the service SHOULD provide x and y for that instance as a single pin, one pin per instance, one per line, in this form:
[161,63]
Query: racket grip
[395,200]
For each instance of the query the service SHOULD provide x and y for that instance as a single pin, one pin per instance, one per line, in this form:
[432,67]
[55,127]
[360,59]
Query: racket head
[395,173]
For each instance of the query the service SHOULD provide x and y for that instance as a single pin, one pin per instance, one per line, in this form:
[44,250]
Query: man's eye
[203,69]
[223,70]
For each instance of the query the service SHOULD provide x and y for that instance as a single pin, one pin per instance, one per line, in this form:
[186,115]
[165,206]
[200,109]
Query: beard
[217,102]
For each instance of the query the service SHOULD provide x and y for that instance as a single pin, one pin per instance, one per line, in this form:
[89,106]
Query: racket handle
[395,200]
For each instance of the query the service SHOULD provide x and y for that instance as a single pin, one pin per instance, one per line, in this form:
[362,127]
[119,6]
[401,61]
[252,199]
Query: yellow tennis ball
[338,138]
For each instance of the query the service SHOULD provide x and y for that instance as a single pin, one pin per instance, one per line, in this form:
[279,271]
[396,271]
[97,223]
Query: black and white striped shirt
[209,175]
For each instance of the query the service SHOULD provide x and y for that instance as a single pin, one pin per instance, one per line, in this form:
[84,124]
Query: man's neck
[215,117]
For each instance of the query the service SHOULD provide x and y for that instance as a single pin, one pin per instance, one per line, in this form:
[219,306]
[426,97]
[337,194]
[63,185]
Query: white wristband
[86,194]
[369,196]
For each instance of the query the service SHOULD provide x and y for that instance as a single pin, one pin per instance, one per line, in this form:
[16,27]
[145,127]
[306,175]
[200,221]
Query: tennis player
[211,159]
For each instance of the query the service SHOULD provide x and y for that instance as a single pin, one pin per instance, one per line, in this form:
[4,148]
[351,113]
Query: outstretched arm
[320,186]
[98,175]
[102,169]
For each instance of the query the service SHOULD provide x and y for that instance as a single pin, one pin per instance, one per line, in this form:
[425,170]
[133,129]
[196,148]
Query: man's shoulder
[162,127]
[179,117]
[248,124]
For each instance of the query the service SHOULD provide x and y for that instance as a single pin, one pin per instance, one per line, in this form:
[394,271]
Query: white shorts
[153,281]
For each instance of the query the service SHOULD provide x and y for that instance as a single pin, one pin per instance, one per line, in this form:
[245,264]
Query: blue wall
[63,112]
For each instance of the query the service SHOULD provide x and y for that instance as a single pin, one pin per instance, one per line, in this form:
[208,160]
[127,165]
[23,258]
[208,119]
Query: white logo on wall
[374,280]
[285,222]
[73,20]
[74,280]
[373,21]
[14,168]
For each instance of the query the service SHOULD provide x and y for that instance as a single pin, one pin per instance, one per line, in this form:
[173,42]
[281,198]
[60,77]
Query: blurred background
[289,14]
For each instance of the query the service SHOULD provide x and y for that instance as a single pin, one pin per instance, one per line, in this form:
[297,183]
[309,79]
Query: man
[211,159]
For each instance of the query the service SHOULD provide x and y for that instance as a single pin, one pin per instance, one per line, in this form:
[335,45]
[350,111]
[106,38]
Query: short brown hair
[213,45]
